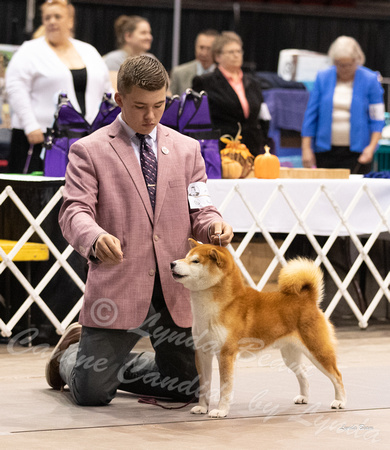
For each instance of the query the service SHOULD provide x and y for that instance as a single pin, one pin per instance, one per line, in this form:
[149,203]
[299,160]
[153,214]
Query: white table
[313,207]
[352,195]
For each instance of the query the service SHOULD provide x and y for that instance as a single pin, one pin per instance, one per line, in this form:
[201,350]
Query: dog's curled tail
[299,275]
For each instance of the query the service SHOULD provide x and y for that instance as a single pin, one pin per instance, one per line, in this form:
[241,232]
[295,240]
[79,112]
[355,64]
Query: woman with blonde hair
[345,113]
[39,71]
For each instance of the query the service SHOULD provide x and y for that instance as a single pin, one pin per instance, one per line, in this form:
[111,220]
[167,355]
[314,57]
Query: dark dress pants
[102,362]
[341,158]
[18,154]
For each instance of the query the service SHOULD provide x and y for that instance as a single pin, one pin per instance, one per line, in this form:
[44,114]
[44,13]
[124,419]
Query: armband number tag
[377,111]
[198,195]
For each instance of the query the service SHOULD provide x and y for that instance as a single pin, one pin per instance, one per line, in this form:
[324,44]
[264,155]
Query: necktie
[149,167]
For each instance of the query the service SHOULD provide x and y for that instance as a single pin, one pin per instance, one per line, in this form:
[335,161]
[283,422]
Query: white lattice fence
[237,194]
[269,207]
[61,261]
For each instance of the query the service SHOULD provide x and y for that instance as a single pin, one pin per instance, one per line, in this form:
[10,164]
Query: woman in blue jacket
[345,113]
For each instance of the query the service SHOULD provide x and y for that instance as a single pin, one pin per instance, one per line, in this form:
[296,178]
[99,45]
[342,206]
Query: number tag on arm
[198,195]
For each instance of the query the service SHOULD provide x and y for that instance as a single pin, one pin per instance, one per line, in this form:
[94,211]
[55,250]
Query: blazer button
[151,272]
[156,238]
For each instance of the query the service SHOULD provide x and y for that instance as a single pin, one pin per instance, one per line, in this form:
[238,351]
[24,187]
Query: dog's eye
[195,261]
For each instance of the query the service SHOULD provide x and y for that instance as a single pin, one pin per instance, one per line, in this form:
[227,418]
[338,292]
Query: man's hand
[108,249]
[221,233]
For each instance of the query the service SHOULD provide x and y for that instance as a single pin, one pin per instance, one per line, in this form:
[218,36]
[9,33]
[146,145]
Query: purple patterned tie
[148,166]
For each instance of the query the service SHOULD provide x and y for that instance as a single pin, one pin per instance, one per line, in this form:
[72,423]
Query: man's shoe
[71,336]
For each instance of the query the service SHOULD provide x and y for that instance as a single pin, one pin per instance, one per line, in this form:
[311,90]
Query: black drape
[264,33]
[12,21]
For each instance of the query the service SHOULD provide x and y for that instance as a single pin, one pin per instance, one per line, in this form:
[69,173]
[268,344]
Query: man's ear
[193,243]
[118,99]
[217,256]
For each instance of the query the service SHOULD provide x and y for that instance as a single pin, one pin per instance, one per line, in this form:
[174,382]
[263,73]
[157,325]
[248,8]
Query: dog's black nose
[173,264]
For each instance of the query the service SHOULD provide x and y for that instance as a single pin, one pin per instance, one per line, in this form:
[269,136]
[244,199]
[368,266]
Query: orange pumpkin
[267,165]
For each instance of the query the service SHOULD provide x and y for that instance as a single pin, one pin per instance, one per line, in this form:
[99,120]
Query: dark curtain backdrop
[264,33]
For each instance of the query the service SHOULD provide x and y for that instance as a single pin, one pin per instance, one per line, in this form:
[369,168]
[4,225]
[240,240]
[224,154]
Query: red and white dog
[227,314]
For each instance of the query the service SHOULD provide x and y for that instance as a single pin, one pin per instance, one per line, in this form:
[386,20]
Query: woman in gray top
[134,38]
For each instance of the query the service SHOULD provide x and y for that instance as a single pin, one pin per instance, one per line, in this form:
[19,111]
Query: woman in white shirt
[39,71]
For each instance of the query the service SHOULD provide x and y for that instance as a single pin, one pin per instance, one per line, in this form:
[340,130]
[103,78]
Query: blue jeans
[102,361]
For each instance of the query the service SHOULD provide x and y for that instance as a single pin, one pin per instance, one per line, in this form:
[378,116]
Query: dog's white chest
[208,333]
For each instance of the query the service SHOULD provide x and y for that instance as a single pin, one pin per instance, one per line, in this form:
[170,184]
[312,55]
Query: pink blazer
[105,192]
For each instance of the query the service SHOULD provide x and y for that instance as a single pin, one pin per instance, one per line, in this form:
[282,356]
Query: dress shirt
[238,87]
[200,70]
[151,139]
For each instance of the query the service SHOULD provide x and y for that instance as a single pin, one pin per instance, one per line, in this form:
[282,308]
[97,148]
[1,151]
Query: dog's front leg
[204,363]
[226,368]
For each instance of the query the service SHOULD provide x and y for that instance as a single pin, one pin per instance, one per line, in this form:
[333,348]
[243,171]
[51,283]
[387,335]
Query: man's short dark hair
[144,72]
[208,32]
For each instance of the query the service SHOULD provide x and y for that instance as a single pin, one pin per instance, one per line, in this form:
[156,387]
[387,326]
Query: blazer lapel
[122,147]
[165,157]
[228,92]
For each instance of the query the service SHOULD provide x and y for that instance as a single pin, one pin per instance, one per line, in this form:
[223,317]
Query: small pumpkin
[267,165]
[237,151]
[230,168]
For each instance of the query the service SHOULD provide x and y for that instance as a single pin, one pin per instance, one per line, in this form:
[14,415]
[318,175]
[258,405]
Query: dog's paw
[218,413]
[337,404]
[199,410]
[300,400]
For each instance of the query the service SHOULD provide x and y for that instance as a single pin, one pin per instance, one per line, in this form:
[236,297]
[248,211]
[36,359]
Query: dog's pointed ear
[217,257]
[193,243]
